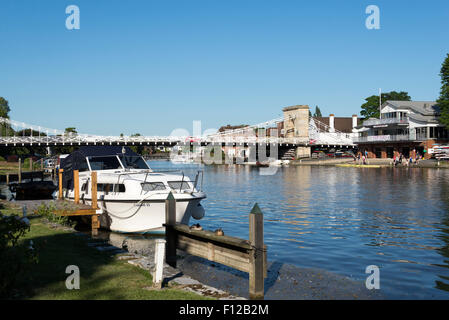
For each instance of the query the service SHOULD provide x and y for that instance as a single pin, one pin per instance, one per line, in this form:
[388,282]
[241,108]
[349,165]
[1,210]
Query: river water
[341,220]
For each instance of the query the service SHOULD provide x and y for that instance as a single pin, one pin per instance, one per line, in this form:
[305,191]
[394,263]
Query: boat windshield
[104,163]
[133,162]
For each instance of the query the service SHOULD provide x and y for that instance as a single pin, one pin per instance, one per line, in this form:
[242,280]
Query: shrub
[47,211]
[16,258]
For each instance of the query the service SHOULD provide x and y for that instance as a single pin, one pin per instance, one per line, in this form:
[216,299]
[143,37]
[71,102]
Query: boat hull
[144,217]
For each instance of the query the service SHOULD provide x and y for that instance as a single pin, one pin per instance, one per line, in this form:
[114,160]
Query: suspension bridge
[17,133]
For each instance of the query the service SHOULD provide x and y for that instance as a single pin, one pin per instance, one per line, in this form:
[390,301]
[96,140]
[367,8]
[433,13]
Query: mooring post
[159,254]
[94,217]
[76,186]
[257,256]
[170,234]
[19,177]
[31,169]
[94,189]
[60,184]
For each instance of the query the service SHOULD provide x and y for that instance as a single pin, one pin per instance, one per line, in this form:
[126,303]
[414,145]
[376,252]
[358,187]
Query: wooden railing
[244,255]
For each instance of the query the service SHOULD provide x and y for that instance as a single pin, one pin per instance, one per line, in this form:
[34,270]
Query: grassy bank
[101,276]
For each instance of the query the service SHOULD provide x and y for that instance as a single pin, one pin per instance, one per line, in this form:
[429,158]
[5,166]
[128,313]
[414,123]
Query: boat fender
[198,212]
[219,232]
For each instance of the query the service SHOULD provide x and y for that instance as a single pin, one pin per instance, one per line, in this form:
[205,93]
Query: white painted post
[159,254]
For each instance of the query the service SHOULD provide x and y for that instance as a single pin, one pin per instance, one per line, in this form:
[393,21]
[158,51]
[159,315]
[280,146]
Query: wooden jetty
[31,174]
[75,208]
[245,255]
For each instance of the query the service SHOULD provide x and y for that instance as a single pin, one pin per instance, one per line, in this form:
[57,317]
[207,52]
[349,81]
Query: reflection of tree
[444,236]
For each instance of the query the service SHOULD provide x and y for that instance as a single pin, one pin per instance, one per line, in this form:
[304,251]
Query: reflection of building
[404,127]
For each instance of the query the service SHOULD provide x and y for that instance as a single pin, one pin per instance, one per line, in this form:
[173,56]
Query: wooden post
[31,169]
[42,164]
[257,256]
[94,189]
[7,178]
[60,184]
[76,186]
[170,234]
[95,222]
[19,177]
[159,254]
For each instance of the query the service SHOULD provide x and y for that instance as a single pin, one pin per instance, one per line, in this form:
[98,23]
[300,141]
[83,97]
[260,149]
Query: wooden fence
[244,255]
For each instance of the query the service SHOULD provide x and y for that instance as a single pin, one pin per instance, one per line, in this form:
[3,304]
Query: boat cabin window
[105,187]
[133,162]
[152,186]
[109,187]
[176,185]
[104,163]
[83,166]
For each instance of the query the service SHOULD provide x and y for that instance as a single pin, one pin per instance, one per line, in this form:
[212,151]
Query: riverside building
[406,127]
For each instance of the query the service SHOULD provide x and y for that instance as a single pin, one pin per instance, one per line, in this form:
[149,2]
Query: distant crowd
[398,159]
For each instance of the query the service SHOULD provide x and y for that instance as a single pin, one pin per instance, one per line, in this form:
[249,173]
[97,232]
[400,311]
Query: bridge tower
[296,125]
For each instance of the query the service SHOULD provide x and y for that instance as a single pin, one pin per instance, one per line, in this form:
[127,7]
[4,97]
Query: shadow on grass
[101,276]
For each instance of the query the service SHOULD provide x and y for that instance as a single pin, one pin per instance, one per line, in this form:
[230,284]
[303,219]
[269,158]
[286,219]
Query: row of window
[175,185]
[434,132]
[111,162]
[147,186]
[393,115]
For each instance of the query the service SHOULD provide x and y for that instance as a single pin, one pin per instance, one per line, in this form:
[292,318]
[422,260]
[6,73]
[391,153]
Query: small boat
[182,158]
[130,195]
[33,190]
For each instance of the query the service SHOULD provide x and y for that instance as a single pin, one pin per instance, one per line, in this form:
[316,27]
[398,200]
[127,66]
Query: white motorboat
[130,195]
[181,158]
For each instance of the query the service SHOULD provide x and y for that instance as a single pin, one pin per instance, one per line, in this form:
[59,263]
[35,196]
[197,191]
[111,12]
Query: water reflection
[344,219]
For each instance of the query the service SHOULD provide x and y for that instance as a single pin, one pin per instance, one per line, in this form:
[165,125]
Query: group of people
[363,157]
[398,159]
[401,159]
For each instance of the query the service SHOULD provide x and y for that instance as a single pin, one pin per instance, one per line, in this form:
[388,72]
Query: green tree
[136,149]
[70,130]
[317,112]
[5,130]
[443,100]
[4,108]
[370,109]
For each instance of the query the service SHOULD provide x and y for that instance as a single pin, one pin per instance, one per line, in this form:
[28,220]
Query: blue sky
[153,66]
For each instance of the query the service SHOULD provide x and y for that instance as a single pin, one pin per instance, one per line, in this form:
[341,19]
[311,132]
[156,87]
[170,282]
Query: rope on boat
[132,215]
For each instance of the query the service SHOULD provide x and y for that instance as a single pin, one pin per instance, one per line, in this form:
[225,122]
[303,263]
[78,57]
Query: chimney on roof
[331,122]
[354,121]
